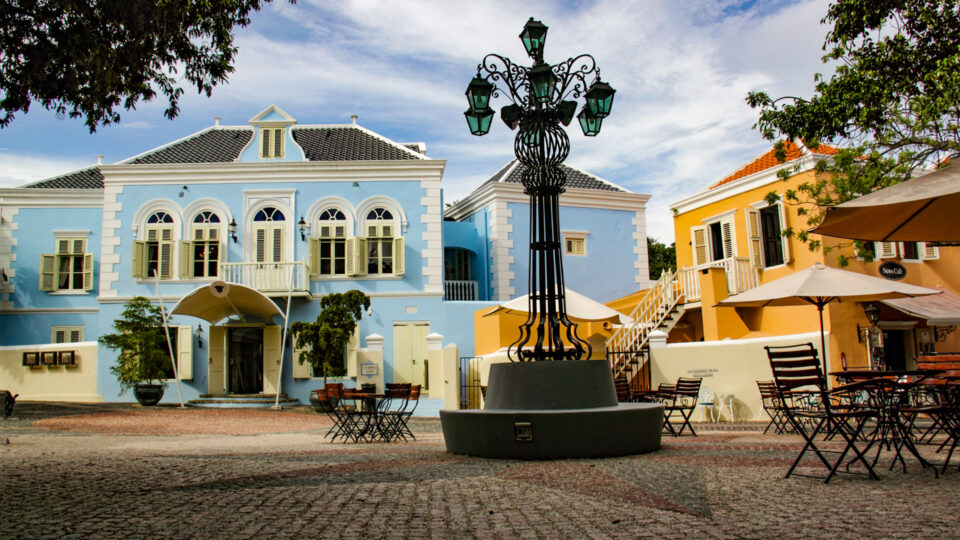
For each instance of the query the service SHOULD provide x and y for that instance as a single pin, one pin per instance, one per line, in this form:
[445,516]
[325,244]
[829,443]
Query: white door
[410,353]
[271,358]
[215,368]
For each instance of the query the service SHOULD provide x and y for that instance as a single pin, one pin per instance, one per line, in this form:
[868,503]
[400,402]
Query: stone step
[243,401]
[241,396]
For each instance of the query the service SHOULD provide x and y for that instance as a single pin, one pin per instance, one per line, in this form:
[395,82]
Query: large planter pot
[148,394]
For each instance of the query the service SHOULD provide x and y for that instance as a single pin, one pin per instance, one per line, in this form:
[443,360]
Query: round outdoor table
[373,407]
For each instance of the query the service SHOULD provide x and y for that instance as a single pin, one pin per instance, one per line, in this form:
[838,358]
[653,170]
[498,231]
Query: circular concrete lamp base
[553,410]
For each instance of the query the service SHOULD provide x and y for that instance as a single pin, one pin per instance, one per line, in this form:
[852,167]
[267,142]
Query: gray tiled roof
[89,178]
[346,144]
[213,146]
[575,178]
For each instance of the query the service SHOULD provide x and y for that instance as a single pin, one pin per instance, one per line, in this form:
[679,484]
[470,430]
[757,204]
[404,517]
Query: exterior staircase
[242,401]
[660,309]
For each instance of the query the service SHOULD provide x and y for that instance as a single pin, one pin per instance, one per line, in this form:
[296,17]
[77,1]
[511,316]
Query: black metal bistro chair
[773,407]
[680,398]
[796,371]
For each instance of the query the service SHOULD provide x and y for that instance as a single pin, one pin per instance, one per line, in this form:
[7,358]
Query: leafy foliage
[86,58]
[141,344]
[661,257]
[323,342]
[892,105]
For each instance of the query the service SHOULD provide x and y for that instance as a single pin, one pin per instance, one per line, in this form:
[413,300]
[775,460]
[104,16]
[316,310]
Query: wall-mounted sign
[369,369]
[892,270]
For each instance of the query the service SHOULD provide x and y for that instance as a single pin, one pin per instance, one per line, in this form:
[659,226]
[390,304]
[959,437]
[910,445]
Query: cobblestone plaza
[123,471]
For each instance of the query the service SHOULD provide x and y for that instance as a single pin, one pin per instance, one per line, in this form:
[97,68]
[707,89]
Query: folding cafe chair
[796,370]
[682,400]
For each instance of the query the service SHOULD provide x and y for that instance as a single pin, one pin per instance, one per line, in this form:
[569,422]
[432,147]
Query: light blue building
[294,212]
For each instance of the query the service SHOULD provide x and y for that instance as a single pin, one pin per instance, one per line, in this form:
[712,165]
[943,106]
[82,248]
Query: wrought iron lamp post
[543,97]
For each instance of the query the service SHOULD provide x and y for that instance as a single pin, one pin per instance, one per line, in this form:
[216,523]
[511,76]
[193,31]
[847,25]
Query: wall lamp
[232,229]
[199,336]
[303,228]
[873,315]
[182,190]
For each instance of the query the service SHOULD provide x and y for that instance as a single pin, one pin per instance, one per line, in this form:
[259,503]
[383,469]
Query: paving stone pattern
[81,471]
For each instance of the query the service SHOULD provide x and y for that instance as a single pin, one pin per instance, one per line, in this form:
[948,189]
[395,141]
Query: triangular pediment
[274,116]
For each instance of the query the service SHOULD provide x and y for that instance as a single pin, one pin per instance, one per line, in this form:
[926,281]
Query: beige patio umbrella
[923,209]
[819,285]
[578,307]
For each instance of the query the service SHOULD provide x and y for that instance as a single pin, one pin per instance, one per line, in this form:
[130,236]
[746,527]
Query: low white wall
[728,367]
[51,383]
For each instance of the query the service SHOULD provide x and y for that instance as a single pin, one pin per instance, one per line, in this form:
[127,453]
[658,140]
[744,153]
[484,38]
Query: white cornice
[61,198]
[742,185]
[295,171]
[512,192]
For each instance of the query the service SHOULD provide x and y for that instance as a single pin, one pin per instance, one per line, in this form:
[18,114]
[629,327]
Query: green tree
[892,104]
[323,343]
[87,58]
[661,257]
[141,344]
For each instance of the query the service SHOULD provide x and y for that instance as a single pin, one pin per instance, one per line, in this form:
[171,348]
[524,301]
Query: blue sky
[681,70]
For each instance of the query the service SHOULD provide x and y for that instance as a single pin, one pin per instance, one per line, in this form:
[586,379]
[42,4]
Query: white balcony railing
[268,277]
[741,276]
[460,290]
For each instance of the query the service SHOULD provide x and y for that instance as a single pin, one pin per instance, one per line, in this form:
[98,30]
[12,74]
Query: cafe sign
[892,270]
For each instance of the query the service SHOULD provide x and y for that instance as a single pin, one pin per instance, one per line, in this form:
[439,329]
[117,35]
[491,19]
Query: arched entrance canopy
[219,300]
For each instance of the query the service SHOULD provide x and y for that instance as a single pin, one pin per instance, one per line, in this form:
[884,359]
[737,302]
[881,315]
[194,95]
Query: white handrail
[268,276]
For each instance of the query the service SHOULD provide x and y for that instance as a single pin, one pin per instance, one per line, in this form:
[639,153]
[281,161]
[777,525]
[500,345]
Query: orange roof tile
[769,160]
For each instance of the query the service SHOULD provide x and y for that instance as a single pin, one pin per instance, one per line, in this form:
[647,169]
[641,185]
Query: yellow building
[729,239]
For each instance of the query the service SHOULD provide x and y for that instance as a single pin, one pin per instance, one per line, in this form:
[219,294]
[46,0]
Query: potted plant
[142,350]
[323,343]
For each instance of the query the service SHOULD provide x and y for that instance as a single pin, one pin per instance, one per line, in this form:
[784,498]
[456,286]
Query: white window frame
[575,237]
[332,232]
[138,261]
[378,232]
[885,250]
[50,264]
[755,235]
[67,332]
[728,240]
[273,140]
[903,251]
[208,233]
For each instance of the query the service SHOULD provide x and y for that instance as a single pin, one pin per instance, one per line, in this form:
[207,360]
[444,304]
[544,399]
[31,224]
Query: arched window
[381,247]
[153,257]
[268,233]
[331,245]
[200,257]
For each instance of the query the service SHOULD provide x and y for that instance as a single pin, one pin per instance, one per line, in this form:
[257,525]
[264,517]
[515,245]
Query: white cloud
[19,169]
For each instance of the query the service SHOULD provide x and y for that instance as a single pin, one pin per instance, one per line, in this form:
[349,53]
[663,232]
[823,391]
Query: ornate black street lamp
[543,97]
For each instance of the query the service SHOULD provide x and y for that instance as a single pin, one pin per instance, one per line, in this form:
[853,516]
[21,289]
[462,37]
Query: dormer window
[271,143]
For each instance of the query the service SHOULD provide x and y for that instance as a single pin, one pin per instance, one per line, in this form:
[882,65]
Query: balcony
[741,276]
[460,290]
[272,279]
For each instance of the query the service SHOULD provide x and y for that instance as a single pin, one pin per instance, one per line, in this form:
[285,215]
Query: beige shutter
[48,272]
[59,336]
[278,143]
[886,250]
[304,370]
[313,256]
[726,229]
[784,241]
[88,271]
[166,259]
[277,244]
[350,252]
[136,262]
[261,248]
[755,239]
[361,256]
[186,262]
[75,336]
[398,256]
[928,252]
[185,353]
[698,239]
[265,140]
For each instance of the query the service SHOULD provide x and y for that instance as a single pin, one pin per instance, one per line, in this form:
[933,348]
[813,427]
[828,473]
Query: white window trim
[140,232]
[574,235]
[919,245]
[70,236]
[390,204]
[249,225]
[784,247]
[313,214]
[728,217]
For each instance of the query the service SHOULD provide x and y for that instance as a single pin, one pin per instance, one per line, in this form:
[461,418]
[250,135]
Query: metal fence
[470,391]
